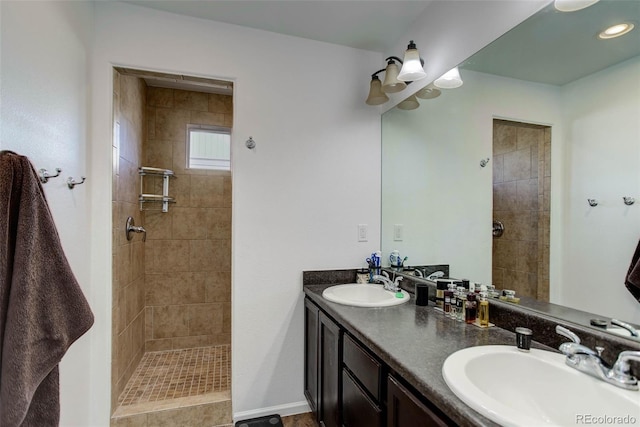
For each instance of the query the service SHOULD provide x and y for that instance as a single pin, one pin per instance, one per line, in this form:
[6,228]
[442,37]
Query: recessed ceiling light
[573,5]
[616,31]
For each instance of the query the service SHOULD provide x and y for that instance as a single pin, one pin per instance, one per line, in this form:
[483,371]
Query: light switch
[398,231]
[362,232]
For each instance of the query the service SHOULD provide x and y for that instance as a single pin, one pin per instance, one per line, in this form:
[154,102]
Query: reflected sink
[364,295]
[515,388]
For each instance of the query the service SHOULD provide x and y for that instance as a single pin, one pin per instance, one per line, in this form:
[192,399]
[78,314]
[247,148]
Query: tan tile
[123,259]
[207,191]
[132,300]
[527,257]
[546,206]
[148,324]
[504,139]
[189,100]
[159,154]
[529,137]
[158,224]
[218,286]
[191,342]
[130,421]
[517,165]
[171,124]
[160,97]
[547,159]
[498,169]
[228,120]
[505,254]
[497,277]
[170,321]
[190,291]
[167,256]
[226,316]
[151,125]
[137,260]
[158,345]
[505,196]
[180,190]
[205,319]
[159,287]
[526,195]
[220,103]
[300,420]
[180,156]
[204,118]
[128,181]
[227,191]
[189,223]
[218,223]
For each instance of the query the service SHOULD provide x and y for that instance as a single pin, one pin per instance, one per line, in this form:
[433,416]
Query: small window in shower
[209,147]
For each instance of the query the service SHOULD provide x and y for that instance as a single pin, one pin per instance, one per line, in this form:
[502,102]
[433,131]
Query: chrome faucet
[387,283]
[590,361]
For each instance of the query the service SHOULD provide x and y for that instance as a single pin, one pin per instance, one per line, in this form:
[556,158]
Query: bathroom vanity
[383,366]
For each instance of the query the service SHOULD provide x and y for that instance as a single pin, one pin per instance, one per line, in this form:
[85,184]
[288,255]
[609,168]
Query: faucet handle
[567,333]
[622,371]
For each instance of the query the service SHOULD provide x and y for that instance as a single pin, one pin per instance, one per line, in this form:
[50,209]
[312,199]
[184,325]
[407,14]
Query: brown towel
[42,308]
[632,281]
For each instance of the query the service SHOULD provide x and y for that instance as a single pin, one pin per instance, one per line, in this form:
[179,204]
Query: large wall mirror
[556,111]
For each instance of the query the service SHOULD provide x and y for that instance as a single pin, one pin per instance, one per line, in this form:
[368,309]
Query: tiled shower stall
[172,293]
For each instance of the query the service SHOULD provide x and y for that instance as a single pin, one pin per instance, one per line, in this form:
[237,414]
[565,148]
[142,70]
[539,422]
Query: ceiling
[363,24]
[557,48]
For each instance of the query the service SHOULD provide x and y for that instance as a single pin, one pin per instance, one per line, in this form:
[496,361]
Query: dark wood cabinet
[311,313]
[329,359]
[358,410]
[346,384]
[322,365]
[404,409]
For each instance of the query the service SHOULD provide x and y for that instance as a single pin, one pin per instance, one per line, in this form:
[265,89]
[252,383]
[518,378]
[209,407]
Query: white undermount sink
[515,388]
[364,295]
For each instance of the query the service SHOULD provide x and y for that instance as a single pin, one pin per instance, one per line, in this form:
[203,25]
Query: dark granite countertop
[415,341]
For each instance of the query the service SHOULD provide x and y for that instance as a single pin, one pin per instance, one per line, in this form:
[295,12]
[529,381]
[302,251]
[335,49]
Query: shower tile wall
[188,249]
[521,187]
[128,256]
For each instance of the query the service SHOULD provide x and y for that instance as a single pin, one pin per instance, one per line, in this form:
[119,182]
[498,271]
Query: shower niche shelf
[151,199]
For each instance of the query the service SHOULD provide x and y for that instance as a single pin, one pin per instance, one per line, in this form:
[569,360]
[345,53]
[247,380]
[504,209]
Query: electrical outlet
[362,232]
[398,231]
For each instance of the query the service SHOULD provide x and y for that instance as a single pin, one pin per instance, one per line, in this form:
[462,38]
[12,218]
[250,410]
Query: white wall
[433,183]
[297,198]
[602,128]
[43,115]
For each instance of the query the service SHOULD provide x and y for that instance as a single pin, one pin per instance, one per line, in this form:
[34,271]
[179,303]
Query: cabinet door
[405,410]
[311,355]
[329,361]
[357,409]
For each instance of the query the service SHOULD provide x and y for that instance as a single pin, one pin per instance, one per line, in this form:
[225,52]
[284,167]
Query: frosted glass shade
[376,95]
[428,93]
[411,103]
[411,67]
[450,80]
[391,83]
[573,5]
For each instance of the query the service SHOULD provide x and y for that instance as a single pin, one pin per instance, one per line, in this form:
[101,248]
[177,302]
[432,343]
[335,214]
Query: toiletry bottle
[453,312]
[441,285]
[460,300]
[483,308]
[471,308]
[448,295]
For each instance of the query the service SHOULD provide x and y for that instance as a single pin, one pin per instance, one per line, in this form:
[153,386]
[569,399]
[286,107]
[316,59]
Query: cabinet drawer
[357,409]
[364,367]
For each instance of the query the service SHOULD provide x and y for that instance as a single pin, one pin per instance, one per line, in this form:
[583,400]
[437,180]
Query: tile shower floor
[174,374]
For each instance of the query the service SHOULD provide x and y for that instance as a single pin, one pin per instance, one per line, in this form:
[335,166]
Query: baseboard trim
[283,410]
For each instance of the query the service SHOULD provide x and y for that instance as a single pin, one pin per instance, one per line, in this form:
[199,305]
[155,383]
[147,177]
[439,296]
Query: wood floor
[300,420]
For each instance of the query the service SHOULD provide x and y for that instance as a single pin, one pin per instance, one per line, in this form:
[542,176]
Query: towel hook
[592,202]
[44,175]
[72,183]
[484,162]
[628,200]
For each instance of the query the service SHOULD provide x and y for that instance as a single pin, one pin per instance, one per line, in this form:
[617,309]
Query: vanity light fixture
[411,103]
[376,95]
[391,83]
[616,31]
[573,5]
[428,92]
[396,80]
[449,80]
[412,67]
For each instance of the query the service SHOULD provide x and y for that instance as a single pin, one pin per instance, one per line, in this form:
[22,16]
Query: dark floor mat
[268,421]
